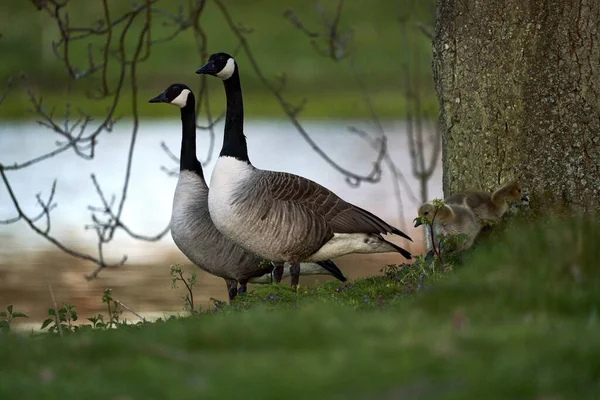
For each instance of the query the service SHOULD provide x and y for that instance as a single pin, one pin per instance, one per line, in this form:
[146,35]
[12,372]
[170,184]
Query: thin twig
[436,250]
[426,30]
[130,310]
[5,90]
[56,318]
[189,289]
[113,52]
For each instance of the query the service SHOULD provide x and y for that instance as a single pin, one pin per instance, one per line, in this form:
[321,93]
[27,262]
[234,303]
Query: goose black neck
[234,141]
[188,160]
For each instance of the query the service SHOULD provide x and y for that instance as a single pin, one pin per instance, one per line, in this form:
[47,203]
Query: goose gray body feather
[285,217]
[199,240]
[196,236]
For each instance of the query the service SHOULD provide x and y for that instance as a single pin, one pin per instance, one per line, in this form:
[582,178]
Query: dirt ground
[144,287]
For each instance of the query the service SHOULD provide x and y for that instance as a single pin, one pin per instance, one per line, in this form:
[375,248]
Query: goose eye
[426,212]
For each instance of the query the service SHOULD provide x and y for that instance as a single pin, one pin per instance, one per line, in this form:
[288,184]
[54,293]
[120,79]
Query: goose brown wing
[341,216]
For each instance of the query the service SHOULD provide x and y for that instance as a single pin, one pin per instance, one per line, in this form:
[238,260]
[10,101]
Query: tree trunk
[518,82]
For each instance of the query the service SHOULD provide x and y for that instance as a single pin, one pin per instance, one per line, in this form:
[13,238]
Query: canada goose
[489,207]
[449,220]
[192,228]
[277,215]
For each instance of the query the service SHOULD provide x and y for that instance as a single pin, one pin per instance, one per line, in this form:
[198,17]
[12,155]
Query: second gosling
[489,207]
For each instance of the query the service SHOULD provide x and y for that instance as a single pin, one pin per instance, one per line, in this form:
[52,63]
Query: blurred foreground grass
[379,51]
[518,320]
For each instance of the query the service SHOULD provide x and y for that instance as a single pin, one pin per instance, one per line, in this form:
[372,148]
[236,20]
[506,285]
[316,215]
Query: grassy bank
[518,320]
[259,104]
[379,49]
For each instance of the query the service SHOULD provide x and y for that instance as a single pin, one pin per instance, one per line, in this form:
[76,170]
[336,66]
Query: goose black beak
[161,98]
[417,222]
[207,69]
[525,198]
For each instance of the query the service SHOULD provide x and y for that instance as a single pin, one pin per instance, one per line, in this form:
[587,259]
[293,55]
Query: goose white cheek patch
[228,70]
[181,100]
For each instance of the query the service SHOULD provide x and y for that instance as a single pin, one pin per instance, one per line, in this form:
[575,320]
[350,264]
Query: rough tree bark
[518,82]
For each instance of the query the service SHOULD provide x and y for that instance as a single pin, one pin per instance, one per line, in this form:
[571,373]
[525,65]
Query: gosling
[448,220]
[489,208]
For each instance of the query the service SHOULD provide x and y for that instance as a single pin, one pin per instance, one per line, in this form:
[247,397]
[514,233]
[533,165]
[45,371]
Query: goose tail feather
[405,253]
[332,269]
[398,232]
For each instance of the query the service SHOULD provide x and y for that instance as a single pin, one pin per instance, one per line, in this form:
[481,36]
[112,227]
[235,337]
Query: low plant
[61,320]
[177,275]
[114,310]
[8,316]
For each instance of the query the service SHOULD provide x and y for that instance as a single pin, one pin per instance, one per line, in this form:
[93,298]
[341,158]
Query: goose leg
[278,272]
[295,273]
[243,287]
[231,288]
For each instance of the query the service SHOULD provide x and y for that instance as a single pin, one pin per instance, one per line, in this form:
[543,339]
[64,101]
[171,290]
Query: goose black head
[176,94]
[221,65]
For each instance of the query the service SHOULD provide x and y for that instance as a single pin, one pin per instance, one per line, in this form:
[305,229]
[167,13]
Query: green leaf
[51,311]
[3,314]
[47,322]
[4,326]
[9,308]
[19,315]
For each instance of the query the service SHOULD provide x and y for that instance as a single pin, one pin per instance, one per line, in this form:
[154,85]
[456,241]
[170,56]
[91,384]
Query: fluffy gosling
[448,220]
[489,207]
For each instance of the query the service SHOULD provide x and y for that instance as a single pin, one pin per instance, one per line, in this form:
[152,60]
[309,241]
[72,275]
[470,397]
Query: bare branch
[106,228]
[166,149]
[41,232]
[423,166]
[5,90]
[113,48]
[426,30]
[74,133]
[291,112]
[331,43]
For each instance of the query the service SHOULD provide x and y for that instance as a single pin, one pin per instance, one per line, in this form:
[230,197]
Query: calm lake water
[28,262]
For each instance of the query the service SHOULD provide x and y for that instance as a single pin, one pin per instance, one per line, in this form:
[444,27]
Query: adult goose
[192,228]
[277,215]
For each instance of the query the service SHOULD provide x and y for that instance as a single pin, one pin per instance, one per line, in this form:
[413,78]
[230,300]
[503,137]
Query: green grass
[378,47]
[518,320]
[329,105]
